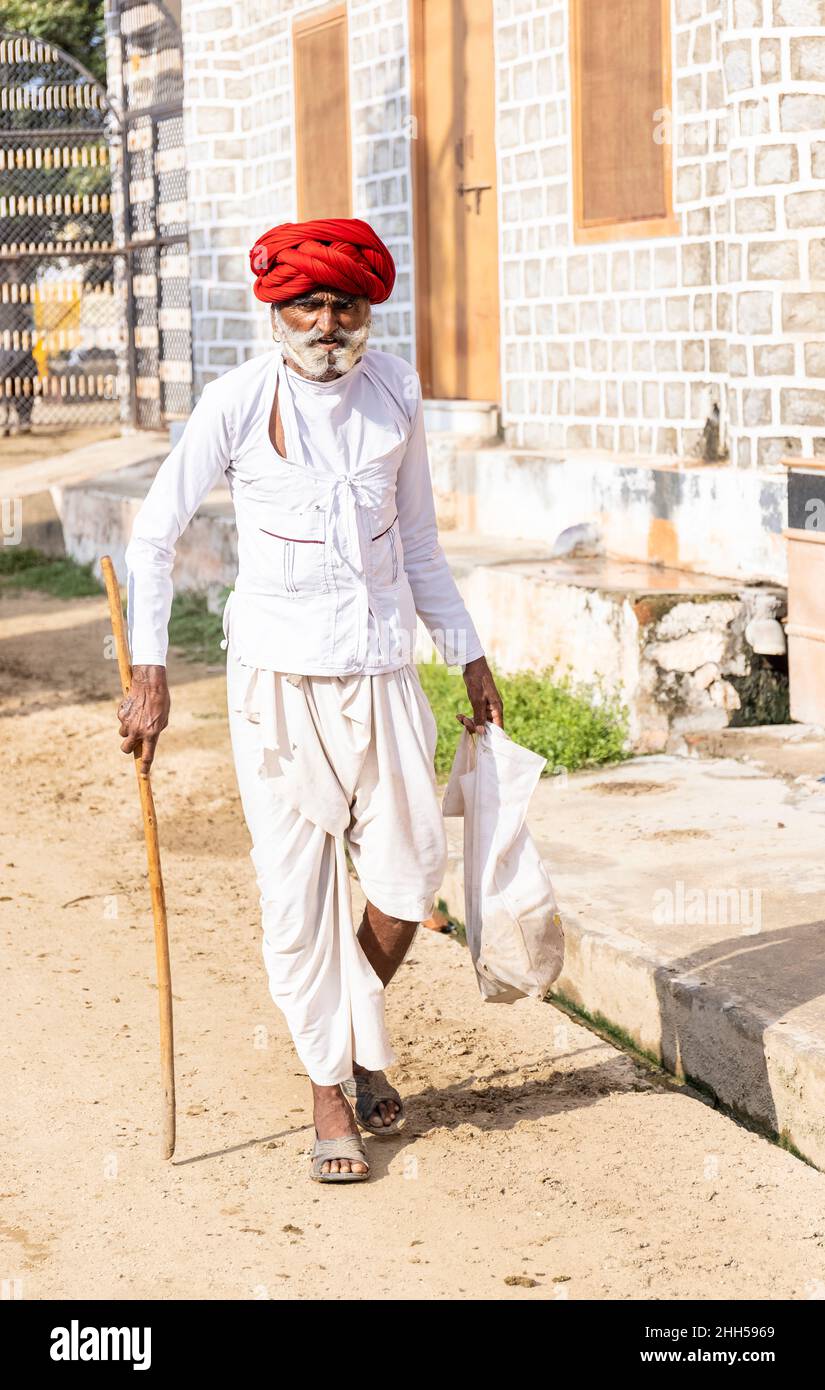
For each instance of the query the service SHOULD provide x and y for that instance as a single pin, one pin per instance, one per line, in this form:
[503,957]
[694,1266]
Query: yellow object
[56,316]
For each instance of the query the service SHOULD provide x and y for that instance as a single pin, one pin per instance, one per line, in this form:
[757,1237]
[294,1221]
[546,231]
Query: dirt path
[19,449]
[539,1162]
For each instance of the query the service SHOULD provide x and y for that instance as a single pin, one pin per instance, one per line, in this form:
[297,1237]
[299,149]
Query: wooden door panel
[323,170]
[456,232]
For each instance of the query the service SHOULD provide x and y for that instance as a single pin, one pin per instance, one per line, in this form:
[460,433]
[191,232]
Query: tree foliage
[74,25]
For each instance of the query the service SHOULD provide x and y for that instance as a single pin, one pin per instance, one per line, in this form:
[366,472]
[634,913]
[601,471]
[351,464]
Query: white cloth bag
[514,930]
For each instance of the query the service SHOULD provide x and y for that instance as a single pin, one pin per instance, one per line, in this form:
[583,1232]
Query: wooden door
[620,62]
[455,199]
[322,133]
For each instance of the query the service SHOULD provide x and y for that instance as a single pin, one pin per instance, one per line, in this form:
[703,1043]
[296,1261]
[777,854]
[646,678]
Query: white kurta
[338,545]
[332,734]
[327,425]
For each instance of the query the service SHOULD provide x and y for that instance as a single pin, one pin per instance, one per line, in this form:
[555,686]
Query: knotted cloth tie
[341,253]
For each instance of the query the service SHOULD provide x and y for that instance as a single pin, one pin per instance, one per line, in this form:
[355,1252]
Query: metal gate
[94,277]
[61,323]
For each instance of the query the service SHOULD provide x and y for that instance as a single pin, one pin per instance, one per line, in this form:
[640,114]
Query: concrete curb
[42,485]
[767,1072]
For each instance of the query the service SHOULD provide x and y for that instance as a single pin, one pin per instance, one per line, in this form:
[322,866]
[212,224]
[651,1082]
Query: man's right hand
[144,713]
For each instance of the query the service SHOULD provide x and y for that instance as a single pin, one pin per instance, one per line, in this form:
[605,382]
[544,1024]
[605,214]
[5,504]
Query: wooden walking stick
[150,831]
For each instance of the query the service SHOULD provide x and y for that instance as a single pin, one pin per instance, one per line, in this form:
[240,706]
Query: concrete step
[794,752]
[463,422]
[705,517]
[30,487]
[693,895]
[97,518]
[671,643]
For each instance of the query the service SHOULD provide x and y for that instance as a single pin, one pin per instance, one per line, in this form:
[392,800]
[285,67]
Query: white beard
[317,361]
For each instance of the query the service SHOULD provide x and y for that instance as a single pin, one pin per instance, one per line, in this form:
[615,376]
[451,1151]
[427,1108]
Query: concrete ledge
[102,456]
[37,487]
[473,419]
[735,1007]
[97,518]
[670,643]
[710,518]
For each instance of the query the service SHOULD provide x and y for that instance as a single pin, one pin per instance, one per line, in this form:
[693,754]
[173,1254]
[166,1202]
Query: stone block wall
[712,340]
[238,67]
[629,346]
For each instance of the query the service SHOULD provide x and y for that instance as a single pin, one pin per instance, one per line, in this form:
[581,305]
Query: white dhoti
[320,761]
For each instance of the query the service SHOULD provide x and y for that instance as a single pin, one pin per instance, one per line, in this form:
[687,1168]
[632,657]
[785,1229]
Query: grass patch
[572,726]
[59,576]
[194,629]
[457,929]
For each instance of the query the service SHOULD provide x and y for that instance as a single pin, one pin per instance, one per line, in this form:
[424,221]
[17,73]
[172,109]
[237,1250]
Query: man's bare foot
[386,1110]
[333,1119]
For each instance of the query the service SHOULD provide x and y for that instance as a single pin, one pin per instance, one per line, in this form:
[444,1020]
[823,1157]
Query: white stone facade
[240,139]
[628,347]
[621,346]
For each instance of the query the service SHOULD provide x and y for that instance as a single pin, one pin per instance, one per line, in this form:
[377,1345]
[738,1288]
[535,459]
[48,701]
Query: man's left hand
[484,697]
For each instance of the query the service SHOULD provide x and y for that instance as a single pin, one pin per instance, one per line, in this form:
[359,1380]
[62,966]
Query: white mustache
[304,348]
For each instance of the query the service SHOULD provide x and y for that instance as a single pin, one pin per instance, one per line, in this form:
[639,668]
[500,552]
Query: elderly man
[323,447]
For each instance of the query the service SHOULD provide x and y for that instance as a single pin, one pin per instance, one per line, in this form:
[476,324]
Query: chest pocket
[293,549]
[386,554]
[385,557]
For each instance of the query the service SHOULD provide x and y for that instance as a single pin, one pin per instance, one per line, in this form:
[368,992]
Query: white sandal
[348,1146]
[367,1091]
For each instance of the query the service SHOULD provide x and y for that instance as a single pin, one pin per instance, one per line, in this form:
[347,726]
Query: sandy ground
[47,442]
[539,1162]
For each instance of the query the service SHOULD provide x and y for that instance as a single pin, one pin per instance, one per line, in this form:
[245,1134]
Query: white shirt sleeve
[438,601]
[195,465]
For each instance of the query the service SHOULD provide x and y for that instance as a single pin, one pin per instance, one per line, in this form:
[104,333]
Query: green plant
[77,26]
[30,569]
[571,725]
[194,629]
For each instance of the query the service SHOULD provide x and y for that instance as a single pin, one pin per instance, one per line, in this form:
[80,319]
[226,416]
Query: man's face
[324,331]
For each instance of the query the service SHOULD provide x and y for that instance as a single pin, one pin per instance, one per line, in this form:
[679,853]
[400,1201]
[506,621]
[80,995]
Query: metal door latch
[477,188]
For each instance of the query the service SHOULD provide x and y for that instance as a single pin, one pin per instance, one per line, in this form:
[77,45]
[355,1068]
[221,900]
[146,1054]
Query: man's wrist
[154,674]
[474,661]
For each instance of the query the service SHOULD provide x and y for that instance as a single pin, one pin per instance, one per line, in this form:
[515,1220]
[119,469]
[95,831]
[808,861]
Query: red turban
[340,252]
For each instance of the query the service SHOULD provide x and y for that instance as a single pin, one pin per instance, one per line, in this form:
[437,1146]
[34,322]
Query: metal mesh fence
[61,322]
[94,275]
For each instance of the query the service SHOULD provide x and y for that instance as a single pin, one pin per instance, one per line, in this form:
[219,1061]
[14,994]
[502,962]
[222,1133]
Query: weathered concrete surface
[693,896]
[709,518]
[97,519]
[36,487]
[670,643]
[794,752]
[104,456]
